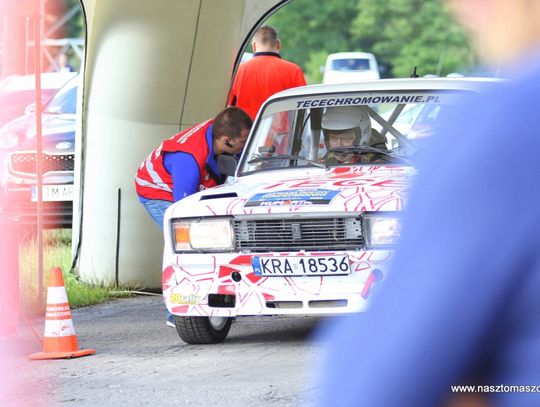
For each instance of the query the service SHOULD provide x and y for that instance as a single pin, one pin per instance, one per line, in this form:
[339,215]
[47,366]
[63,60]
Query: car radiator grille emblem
[63,145]
[296,230]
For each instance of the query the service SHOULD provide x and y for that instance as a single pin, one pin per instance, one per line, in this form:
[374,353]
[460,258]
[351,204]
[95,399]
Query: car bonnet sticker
[295,197]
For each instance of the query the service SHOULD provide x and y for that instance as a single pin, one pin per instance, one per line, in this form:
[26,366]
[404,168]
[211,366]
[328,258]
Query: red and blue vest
[154,182]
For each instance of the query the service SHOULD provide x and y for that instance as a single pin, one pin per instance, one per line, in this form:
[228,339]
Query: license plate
[54,193]
[301,265]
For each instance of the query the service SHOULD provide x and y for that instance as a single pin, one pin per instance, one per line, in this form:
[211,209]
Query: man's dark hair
[231,122]
[266,35]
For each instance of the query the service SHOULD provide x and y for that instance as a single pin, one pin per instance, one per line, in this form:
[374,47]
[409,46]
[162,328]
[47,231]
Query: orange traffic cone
[60,341]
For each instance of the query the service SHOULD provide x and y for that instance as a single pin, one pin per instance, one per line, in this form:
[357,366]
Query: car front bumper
[226,285]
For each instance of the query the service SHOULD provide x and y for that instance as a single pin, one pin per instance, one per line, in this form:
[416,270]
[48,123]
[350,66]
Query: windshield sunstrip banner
[367,100]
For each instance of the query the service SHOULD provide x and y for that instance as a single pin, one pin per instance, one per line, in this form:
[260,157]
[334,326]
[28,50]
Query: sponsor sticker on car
[290,197]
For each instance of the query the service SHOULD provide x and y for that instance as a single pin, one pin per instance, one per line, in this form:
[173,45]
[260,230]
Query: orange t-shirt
[260,77]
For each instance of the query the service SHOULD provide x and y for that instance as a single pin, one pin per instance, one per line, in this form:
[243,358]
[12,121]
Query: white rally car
[308,223]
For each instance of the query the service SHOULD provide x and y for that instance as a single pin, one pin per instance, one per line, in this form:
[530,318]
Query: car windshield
[363,128]
[350,64]
[64,101]
[12,103]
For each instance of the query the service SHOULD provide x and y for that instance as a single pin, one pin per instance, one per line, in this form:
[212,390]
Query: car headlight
[9,139]
[381,229]
[202,235]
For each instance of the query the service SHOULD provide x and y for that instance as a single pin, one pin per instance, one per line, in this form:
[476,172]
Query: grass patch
[56,253]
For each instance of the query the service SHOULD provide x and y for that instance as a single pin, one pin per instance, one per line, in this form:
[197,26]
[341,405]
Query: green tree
[75,27]
[408,33]
[310,30]
[56,10]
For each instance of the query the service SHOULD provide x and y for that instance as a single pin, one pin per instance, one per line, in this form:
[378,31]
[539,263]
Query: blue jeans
[156,209]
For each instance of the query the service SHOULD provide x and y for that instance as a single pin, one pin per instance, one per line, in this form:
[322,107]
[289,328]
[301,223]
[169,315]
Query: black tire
[202,330]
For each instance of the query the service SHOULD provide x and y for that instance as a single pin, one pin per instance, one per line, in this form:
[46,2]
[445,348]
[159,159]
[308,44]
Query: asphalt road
[265,361]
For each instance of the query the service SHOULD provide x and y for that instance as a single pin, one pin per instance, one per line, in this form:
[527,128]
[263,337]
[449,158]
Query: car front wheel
[202,330]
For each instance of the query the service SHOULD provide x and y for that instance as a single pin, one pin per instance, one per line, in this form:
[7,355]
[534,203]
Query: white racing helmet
[342,118]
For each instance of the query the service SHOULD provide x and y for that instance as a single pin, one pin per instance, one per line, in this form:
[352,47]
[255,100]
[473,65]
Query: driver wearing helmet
[348,126]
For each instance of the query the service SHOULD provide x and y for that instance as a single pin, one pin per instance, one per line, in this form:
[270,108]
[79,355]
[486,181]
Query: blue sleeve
[461,301]
[185,174]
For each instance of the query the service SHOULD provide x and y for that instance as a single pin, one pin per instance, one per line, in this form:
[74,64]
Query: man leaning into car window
[186,163]
[345,128]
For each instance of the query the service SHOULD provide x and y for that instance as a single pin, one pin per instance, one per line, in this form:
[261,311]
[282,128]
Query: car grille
[312,234]
[26,162]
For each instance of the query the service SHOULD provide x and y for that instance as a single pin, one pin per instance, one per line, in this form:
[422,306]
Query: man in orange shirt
[264,74]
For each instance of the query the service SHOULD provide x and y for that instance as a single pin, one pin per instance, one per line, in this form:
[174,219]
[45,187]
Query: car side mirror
[227,164]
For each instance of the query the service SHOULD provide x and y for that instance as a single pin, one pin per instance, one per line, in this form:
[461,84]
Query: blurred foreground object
[464,309]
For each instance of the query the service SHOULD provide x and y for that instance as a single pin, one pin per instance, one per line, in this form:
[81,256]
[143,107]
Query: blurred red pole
[17,381]
[9,289]
[13,62]
[39,142]
[13,42]
[14,14]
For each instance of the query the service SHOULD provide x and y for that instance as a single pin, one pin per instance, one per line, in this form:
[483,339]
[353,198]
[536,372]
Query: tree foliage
[401,33]
[409,33]
[310,30]
[56,9]
[75,26]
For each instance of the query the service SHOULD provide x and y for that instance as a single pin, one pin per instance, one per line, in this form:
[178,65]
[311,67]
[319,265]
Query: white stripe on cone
[61,327]
[58,306]
[56,295]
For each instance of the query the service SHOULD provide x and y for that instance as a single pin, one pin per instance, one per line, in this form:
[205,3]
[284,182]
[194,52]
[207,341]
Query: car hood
[340,189]
[58,134]
[59,123]
[17,125]
[55,124]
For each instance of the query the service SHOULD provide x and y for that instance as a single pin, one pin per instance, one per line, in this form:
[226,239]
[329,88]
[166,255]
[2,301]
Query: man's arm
[233,95]
[299,78]
[185,174]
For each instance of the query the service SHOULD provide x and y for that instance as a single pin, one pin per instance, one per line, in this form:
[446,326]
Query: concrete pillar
[152,68]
